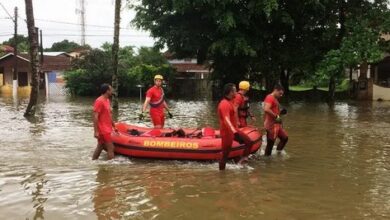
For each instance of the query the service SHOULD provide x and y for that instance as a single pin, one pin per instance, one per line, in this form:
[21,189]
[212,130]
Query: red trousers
[104,138]
[157,116]
[227,141]
[276,131]
[273,132]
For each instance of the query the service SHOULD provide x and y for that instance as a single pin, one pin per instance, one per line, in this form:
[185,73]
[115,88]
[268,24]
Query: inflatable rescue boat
[181,144]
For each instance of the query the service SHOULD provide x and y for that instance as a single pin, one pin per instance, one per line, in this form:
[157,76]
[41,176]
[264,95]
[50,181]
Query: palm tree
[33,40]
[115,49]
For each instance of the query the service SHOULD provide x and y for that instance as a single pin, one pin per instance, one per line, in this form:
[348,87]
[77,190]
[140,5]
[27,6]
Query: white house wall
[381,93]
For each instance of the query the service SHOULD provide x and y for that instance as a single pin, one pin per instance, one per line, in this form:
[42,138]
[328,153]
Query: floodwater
[336,166]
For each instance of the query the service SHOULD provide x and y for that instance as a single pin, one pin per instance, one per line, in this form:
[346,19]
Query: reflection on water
[34,186]
[336,167]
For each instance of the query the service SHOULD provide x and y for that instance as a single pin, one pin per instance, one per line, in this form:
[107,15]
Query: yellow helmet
[158,77]
[244,85]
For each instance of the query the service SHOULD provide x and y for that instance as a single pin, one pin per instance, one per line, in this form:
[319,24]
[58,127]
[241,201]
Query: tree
[96,67]
[65,46]
[115,48]
[255,39]
[259,39]
[23,43]
[360,41]
[33,42]
[88,73]
[149,55]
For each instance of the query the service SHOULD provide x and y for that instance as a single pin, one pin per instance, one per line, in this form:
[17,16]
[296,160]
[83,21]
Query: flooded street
[336,166]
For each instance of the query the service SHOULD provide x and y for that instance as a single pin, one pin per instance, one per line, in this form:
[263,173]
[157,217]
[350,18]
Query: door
[22,79]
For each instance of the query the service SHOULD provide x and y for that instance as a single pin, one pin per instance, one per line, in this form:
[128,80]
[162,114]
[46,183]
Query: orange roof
[6,48]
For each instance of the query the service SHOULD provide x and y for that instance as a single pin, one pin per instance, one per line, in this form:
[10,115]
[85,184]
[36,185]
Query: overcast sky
[50,13]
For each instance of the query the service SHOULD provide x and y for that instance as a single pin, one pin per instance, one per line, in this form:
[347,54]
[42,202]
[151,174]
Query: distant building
[191,79]
[188,68]
[56,54]
[6,49]
[51,64]
[373,81]
[381,79]
[78,52]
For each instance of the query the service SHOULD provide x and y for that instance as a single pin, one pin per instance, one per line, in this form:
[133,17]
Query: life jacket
[243,109]
[157,103]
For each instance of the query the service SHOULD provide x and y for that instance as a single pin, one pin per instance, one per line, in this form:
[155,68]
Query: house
[372,81]
[381,79]
[187,68]
[51,64]
[190,74]
[56,54]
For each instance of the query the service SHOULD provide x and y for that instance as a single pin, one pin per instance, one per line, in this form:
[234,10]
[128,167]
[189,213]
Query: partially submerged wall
[381,93]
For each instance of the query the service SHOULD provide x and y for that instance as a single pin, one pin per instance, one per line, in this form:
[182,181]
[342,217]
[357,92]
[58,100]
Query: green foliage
[243,39]
[259,39]
[209,30]
[65,46]
[95,68]
[78,81]
[89,72]
[359,46]
[333,65]
[23,44]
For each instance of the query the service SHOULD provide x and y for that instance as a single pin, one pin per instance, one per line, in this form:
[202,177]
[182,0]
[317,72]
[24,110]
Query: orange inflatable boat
[182,144]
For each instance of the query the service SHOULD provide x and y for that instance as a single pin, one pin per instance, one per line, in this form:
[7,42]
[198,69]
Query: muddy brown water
[336,166]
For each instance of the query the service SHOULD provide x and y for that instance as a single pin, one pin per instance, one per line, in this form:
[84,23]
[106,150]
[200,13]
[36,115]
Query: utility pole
[15,69]
[41,60]
[81,11]
[82,23]
[40,47]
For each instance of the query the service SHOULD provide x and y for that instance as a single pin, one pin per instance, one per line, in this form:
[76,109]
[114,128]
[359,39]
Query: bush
[95,68]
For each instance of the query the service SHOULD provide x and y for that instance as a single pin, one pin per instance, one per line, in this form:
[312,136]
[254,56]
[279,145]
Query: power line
[70,23]
[53,32]
[77,35]
[94,35]
[58,30]
[6,11]
[75,24]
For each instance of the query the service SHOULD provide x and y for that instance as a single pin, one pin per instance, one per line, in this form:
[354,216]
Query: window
[22,79]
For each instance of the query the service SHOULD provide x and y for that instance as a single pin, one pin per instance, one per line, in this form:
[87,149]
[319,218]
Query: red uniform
[226,109]
[274,129]
[156,95]
[241,102]
[102,106]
